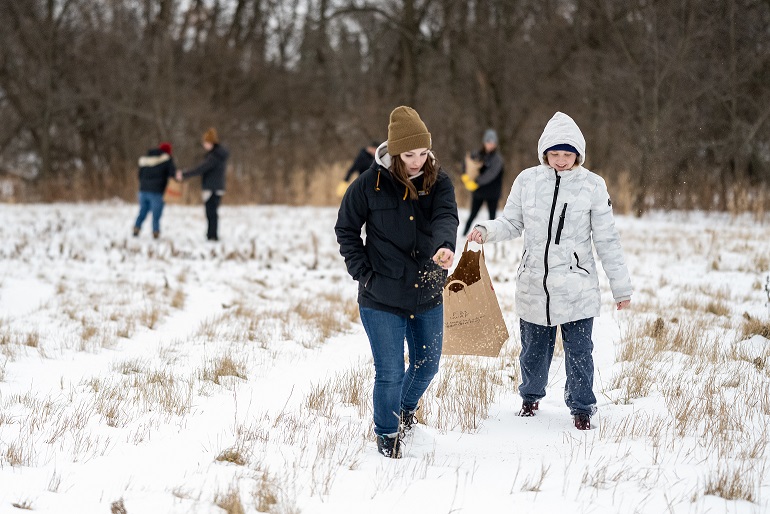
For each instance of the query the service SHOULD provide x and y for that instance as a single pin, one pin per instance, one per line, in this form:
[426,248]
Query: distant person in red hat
[155,169]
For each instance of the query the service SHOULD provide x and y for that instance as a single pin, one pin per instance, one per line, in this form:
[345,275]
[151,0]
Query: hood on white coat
[561,129]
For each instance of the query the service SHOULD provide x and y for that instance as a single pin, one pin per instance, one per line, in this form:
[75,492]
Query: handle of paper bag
[465,249]
[456,282]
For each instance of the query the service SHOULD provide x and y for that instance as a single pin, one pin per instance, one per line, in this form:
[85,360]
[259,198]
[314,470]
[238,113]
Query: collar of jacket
[148,161]
[566,175]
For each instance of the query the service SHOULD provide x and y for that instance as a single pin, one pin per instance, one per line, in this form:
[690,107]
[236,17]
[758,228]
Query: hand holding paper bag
[473,321]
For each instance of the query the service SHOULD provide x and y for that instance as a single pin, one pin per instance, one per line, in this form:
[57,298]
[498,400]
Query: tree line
[673,96]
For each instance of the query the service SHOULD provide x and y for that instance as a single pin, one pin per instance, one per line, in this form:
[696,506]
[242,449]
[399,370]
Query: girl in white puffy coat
[563,210]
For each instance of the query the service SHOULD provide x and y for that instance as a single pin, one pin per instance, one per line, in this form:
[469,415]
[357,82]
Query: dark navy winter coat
[394,268]
[212,169]
[155,168]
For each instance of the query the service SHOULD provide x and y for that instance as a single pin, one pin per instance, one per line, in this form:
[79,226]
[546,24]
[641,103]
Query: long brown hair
[430,174]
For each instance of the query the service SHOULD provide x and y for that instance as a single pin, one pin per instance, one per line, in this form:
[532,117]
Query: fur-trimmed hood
[148,161]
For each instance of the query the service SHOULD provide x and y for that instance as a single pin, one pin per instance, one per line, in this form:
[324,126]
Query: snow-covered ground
[181,376]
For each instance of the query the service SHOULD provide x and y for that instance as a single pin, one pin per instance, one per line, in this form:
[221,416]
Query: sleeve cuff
[483,230]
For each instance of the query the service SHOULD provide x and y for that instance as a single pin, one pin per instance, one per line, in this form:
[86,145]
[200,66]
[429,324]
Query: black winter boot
[389,446]
[582,421]
[406,421]
[528,409]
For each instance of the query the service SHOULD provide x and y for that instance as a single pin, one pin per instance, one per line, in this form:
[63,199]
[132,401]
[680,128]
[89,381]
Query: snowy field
[181,376]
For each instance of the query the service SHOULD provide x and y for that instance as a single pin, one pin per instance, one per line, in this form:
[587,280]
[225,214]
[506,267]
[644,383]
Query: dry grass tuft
[534,482]
[233,455]
[20,453]
[118,507]
[324,319]
[178,299]
[224,366]
[732,484]
[265,493]
[635,380]
[755,327]
[353,387]
[321,400]
[461,394]
[230,502]
[687,338]
[761,262]
[718,308]
[32,339]
[150,316]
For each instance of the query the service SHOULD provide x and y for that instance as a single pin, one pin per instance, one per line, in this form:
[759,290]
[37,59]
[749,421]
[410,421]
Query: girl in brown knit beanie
[408,206]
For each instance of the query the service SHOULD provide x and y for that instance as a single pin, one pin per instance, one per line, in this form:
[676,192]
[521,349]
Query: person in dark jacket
[488,186]
[362,162]
[407,204]
[155,168]
[212,172]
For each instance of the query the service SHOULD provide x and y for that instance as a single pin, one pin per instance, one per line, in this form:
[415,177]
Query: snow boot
[582,421]
[155,235]
[406,421]
[136,231]
[528,409]
[389,445]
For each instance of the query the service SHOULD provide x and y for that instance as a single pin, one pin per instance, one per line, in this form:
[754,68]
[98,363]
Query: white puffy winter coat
[560,213]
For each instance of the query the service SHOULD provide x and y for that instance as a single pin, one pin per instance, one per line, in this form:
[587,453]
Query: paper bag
[473,321]
[173,193]
[472,167]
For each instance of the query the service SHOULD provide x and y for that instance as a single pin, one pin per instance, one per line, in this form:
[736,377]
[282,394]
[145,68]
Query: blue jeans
[537,343]
[394,388]
[150,202]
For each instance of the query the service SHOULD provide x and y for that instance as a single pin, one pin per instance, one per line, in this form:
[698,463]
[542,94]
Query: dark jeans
[212,204]
[537,343]
[394,388]
[476,204]
[150,202]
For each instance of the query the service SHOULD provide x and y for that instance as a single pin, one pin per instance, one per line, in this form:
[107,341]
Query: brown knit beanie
[211,136]
[406,131]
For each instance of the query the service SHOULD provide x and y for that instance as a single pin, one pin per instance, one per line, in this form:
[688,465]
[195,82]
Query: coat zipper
[561,224]
[577,260]
[545,258]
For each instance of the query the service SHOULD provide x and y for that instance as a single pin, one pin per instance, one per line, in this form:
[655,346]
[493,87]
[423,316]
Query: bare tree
[671,94]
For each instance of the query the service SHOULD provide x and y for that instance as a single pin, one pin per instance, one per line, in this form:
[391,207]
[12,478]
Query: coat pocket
[577,267]
[383,211]
[379,203]
[522,264]
[561,223]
